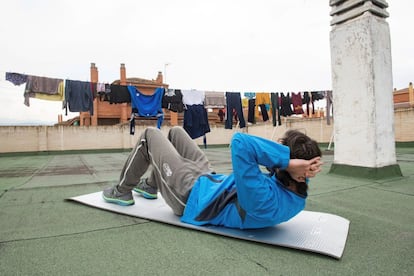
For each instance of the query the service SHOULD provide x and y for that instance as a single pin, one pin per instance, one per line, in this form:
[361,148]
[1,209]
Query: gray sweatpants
[176,162]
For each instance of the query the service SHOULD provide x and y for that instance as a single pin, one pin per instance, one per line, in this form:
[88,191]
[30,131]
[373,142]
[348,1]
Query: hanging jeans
[263,110]
[251,108]
[233,101]
[274,98]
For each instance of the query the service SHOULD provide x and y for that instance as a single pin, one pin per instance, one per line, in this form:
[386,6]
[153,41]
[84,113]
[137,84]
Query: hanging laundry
[100,87]
[16,78]
[78,96]
[214,99]
[104,91]
[285,109]
[196,120]
[274,98]
[262,98]
[173,100]
[306,100]
[251,106]
[119,94]
[60,96]
[245,102]
[263,110]
[146,105]
[191,97]
[249,95]
[233,102]
[42,85]
[297,103]
[94,89]
[318,95]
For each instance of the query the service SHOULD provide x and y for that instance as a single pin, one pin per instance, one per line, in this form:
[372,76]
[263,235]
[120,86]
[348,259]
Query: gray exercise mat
[310,231]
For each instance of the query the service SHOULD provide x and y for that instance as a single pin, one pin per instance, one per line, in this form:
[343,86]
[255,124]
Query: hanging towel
[214,99]
[41,85]
[60,96]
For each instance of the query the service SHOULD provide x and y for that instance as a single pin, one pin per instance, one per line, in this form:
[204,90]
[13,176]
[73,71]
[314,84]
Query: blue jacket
[247,198]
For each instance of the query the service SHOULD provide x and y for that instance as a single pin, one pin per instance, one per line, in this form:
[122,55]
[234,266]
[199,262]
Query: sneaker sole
[119,201]
[145,194]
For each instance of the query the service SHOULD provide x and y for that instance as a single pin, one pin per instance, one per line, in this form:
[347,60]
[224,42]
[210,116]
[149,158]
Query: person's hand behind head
[300,169]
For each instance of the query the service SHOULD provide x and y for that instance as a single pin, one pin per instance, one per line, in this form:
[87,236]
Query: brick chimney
[94,78]
[124,106]
[123,74]
[94,72]
[159,78]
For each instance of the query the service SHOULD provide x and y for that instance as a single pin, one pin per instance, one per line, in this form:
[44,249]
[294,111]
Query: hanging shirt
[285,105]
[247,198]
[193,96]
[119,94]
[78,96]
[147,105]
[173,100]
[297,103]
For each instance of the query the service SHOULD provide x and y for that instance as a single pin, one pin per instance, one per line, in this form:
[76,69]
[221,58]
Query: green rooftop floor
[42,234]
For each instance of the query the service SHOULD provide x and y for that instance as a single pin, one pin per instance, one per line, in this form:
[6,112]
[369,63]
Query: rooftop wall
[63,138]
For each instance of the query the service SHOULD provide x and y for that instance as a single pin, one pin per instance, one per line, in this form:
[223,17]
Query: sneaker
[146,190]
[112,195]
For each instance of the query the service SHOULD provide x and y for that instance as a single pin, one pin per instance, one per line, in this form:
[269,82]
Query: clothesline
[245,94]
[78,96]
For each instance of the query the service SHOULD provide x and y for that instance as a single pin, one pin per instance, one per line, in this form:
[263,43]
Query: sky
[220,45]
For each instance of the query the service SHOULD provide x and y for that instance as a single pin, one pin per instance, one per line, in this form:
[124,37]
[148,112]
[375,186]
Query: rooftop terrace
[42,234]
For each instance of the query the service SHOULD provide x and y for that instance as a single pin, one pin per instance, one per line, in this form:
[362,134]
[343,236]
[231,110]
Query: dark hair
[301,147]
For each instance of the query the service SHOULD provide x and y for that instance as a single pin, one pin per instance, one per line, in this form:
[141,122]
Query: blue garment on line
[148,105]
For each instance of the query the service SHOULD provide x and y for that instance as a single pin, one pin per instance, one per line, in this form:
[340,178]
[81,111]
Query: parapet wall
[65,138]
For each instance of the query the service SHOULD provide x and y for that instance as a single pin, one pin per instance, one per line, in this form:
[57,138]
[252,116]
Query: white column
[362,85]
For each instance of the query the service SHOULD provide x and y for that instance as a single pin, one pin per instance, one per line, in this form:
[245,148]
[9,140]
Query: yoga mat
[310,231]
